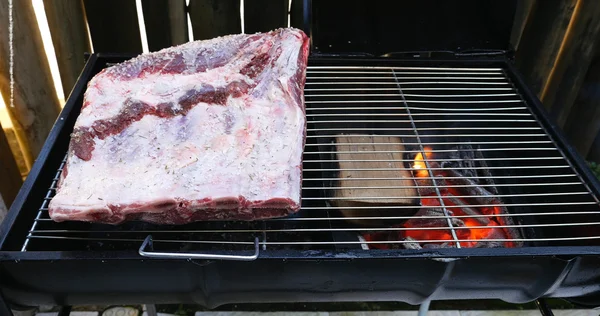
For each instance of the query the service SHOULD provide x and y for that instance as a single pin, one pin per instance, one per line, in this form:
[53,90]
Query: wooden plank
[573,62]
[66,21]
[584,121]
[541,40]
[212,18]
[524,8]
[369,193]
[114,26]
[10,181]
[297,14]
[3,209]
[265,15]
[166,23]
[35,102]
[15,147]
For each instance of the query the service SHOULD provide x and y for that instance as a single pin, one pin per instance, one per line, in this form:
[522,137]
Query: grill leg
[151,309]
[4,310]
[65,311]
[543,307]
[424,308]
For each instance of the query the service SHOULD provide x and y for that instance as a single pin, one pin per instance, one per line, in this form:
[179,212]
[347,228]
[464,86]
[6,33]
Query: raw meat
[208,130]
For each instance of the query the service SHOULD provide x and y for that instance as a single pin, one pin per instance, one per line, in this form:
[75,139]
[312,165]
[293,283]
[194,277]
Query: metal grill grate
[426,107]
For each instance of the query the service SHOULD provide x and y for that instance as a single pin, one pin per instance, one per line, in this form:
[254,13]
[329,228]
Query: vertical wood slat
[297,14]
[573,62]
[542,39]
[35,102]
[594,152]
[264,15]
[166,23]
[70,39]
[10,181]
[113,26]
[524,9]
[584,121]
[212,18]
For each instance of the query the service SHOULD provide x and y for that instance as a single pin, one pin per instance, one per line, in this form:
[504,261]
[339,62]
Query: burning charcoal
[484,173]
[426,185]
[472,189]
[483,221]
[421,227]
[489,244]
[412,244]
[439,221]
[511,232]
[431,245]
[462,159]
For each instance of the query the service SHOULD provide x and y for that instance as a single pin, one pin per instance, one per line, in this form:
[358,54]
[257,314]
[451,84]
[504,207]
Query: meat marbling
[207,130]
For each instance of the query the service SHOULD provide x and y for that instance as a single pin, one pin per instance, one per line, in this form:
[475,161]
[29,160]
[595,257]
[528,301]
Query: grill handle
[180,255]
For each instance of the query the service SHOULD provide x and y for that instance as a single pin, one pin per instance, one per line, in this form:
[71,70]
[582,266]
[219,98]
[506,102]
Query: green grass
[595,167]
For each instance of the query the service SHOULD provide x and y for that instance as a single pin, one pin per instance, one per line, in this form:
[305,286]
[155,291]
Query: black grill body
[74,272]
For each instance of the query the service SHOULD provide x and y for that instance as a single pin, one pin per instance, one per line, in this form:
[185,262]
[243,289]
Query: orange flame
[420,165]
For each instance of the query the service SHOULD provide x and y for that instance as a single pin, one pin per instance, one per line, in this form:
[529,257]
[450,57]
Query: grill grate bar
[441,168]
[45,203]
[443,143]
[446,186]
[405,78]
[425,121]
[467,69]
[412,89]
[435,197]
[447,206]
[412,101]
[413,108]
[377,218]
[349,229]
[375,129]
[424,106]
[280,243]
[500,83]
[439,178]
[437,160]
[422,151]
[310,72]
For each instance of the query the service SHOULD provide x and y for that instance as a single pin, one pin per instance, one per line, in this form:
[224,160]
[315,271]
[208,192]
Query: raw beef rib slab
[208,130]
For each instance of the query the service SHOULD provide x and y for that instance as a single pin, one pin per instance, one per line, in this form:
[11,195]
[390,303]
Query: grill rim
[543,271]
[18,223]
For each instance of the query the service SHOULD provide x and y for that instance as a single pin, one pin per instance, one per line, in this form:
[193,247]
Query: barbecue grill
[438,103]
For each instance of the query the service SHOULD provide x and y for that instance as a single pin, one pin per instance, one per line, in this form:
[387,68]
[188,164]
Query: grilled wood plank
[70,39]
[166,23]
[212,18]
[113,26]
[351,197]
[264,15]
[35,102]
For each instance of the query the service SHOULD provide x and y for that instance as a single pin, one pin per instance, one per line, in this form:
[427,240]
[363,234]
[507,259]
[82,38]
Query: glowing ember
[473,225]
[420,163]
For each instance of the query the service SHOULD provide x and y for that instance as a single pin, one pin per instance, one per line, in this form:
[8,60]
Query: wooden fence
[556,42]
